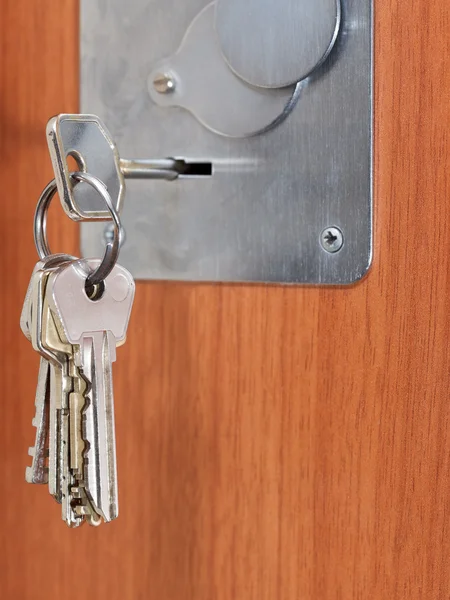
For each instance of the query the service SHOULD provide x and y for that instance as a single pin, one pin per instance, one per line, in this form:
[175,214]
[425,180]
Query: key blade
[54,442]
[69,515]
[38,472]
[97,352]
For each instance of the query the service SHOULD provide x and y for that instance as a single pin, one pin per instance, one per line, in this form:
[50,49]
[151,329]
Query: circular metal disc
[198,79]
[276,43]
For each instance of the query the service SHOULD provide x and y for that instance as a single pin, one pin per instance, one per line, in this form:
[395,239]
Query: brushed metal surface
[206,86]
[275,43]
[260,217]
[86,139]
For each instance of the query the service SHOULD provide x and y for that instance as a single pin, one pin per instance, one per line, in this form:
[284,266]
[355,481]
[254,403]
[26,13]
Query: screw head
[164,83]
[332,239]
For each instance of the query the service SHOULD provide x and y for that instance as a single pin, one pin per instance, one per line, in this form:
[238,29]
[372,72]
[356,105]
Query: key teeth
[29,475]
[32,451]
[77,522]
[81,511]
[76,493]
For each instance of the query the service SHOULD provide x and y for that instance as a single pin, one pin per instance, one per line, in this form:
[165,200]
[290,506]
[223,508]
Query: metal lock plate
[290,196]
[276,43]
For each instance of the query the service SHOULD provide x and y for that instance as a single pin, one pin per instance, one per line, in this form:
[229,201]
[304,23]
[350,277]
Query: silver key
[65,387]
[41,332]
[38,472]
[87,140]
[96,328]
[75,503]
[61,386]
[49,261]
[59,377]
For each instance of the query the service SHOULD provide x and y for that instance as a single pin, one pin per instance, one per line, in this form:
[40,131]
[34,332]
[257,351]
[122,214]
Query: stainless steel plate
[274,43]
[261,216]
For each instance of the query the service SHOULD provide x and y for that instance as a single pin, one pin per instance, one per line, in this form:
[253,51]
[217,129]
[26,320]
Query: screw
[164,83]
[332,239]
[108,234]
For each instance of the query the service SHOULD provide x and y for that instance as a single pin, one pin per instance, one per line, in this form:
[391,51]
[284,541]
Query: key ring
[111,255]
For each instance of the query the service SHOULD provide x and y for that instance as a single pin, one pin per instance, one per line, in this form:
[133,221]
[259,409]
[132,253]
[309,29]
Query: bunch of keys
[75,314]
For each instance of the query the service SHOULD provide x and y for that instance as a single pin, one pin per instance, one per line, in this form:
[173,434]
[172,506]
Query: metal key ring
[40,226]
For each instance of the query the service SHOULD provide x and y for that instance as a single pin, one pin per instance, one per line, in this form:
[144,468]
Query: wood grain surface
[273,444]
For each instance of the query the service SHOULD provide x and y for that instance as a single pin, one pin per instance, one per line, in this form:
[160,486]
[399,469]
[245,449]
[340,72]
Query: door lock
[265,107]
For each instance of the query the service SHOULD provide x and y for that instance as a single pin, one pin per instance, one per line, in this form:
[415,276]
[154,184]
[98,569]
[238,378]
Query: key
[87,140]
[59,378]
[61,386]
[96,328]
[38,472]
[75,504]
[65,413]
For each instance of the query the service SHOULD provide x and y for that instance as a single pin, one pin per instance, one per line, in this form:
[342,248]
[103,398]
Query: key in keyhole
[168,169]
[85,139]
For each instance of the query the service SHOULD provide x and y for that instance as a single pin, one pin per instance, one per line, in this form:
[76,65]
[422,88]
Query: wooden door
[274,443]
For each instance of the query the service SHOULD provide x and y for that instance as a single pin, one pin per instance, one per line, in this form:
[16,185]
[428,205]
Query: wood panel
[273,443]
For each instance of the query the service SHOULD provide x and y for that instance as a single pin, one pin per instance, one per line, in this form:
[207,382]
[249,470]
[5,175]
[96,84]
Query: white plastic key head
[79,314]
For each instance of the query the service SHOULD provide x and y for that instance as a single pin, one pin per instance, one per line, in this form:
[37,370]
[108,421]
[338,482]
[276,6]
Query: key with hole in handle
[44,420]
[95,325]
[86,139]
[71,400]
